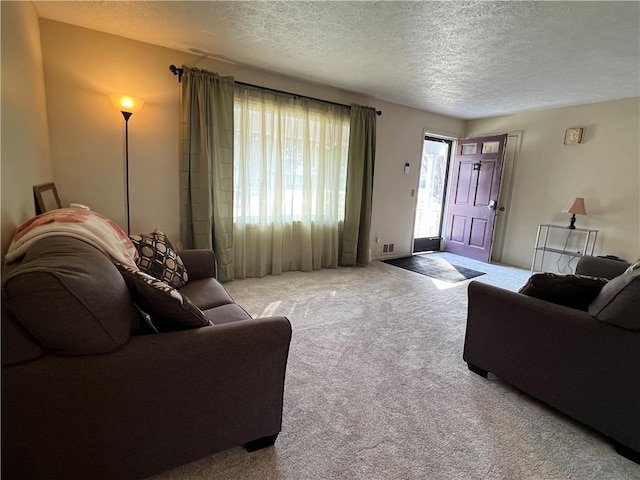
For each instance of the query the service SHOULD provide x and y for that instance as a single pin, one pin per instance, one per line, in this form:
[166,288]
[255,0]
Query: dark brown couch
[86,395]
[583,363]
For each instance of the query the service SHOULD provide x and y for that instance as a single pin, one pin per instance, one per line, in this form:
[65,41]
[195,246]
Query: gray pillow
[619,301]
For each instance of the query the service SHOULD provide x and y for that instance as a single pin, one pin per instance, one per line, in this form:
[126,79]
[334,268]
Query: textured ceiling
[466,59]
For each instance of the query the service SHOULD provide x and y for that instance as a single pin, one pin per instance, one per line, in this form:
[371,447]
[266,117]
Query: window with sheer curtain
[290,169]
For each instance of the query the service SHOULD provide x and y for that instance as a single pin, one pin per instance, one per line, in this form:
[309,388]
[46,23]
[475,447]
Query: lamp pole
[127,106]
[126,116]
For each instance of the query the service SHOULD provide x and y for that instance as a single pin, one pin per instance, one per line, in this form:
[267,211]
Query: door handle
[492,205]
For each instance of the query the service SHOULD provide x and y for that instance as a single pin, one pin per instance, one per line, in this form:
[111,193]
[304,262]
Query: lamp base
[572,224]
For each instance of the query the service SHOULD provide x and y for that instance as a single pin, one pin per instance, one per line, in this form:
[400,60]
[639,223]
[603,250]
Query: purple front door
[475,183]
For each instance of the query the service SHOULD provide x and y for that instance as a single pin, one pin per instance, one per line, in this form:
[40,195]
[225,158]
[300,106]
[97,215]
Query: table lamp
[575,207]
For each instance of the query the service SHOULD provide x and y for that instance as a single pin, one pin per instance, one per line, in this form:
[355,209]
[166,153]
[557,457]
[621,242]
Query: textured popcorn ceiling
[466,59]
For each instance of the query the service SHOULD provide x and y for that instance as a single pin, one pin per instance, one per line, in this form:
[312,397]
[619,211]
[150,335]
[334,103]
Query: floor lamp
[127,106]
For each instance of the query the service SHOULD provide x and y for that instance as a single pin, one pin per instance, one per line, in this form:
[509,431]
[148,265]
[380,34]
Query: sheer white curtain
[290,169]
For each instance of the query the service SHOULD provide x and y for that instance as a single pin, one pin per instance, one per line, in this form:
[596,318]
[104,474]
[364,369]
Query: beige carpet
[377,389]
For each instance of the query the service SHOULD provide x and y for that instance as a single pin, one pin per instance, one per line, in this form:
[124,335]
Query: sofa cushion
[231,312]
[168,308]
[619,301]
[158,258]
[206,293]
[575,291]
[604,267]
[70,297]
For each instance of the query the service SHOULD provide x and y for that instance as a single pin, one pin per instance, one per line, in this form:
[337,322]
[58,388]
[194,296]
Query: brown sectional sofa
[87,394]
[583,363]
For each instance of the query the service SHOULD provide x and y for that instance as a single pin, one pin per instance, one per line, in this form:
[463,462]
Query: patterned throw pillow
[159,259]
[168,308]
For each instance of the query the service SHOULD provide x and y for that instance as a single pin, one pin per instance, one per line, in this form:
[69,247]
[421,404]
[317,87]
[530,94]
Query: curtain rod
[180,71]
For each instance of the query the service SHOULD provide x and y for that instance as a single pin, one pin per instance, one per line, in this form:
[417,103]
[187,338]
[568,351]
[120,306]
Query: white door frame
[427,132]
[512,152]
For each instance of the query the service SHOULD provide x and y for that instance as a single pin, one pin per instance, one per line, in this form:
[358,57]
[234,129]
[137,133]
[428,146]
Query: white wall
[25,139]
[82,67]
[605,170]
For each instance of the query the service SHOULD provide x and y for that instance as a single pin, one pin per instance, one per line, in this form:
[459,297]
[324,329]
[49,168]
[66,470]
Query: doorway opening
[432,188]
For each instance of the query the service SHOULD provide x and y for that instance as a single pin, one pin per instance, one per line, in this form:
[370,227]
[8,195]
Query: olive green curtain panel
[206,165]
[359,195]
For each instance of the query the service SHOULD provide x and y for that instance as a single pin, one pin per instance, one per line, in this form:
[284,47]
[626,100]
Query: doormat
[435,268]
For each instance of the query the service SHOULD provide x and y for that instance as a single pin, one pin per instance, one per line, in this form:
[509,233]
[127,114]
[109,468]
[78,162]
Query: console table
[583,244]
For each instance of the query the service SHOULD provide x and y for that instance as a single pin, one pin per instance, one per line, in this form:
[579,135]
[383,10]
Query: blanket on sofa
[91,227]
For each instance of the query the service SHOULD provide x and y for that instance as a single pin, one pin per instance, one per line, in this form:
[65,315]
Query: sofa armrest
[199,262]
[157,402]
[601,267]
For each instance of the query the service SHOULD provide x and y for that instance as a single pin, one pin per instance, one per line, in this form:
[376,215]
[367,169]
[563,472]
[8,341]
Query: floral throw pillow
[168,308]
[158,258]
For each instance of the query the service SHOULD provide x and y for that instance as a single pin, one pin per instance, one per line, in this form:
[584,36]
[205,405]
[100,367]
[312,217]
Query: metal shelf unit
[542,247]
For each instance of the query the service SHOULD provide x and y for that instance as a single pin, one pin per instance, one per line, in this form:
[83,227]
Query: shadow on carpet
[434,267]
